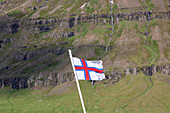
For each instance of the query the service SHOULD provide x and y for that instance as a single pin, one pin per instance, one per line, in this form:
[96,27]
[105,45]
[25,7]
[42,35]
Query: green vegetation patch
[82,29]
[152,47]
[29,70]
[100,32]
[119,28]
[153,23]
[89,10]
[93,2]
[167,53]
[44,13]
[149,4]
[98,51]
[17,13]
[132,94]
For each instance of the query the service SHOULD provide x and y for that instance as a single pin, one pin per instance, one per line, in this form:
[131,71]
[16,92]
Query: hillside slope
[132,95]
[35,36]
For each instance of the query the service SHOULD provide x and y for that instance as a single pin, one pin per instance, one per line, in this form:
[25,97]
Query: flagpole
[78,86]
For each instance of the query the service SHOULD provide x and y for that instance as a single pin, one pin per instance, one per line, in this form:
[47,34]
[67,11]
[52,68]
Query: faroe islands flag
[88,70]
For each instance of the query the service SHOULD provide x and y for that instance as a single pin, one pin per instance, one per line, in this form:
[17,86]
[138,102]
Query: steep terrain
[132,38]
[35,36]
[132,95]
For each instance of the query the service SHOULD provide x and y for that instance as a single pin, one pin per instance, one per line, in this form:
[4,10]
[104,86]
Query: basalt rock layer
[41,25]
[30,47]
[54,78]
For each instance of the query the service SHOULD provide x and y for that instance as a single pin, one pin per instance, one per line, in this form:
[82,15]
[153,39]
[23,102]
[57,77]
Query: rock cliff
[34,40]
[54,78]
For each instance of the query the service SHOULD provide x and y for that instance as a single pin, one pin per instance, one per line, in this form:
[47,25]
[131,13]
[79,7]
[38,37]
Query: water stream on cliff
[110,35]
[148,19]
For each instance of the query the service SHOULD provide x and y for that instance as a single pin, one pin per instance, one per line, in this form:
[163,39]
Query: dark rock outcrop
[37,52]
[119,73]
[54,78]
[14,28]
[41,25]
[71,22]
[45,78]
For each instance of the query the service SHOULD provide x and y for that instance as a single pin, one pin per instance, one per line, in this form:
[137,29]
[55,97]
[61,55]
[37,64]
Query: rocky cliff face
[54,78]
[42,25]
[32,44]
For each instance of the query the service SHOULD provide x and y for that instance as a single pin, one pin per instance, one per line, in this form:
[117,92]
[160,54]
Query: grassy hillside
[28,47]
[133,94]
[36,34]
[47,8]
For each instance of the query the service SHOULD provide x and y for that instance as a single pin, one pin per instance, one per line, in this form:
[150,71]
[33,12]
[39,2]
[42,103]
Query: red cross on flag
[88,70]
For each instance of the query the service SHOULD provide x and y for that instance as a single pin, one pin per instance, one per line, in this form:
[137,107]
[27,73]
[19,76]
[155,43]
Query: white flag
[88,70]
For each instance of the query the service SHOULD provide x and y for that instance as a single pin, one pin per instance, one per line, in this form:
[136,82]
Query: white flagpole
[78,86]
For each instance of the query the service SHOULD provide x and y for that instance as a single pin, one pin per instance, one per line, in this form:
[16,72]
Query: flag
[111,1]
[88,70]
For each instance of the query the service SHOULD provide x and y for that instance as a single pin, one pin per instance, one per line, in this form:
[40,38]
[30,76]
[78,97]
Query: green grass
[149,5]
[82,29]
[70,39]
[89,10]
[131,94]
[152,47]
[30,14]
[93,2]
[98,51]
[153,23]
[17,13]
[119,29]
[44,13]
[100,32]
[167,54]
